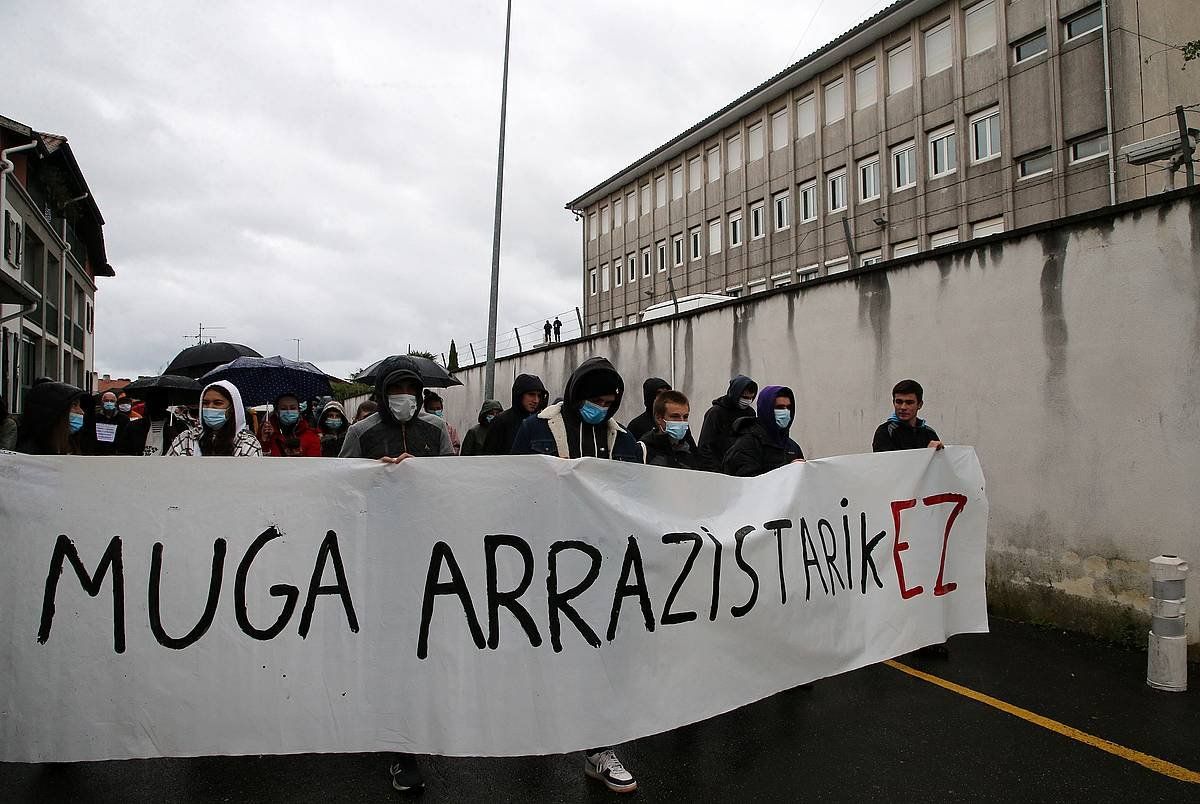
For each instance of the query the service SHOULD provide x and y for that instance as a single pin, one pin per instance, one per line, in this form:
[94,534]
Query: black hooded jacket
[716,434]
[503,429]
[381,435]
[644,422]
[662,451]
[47,404]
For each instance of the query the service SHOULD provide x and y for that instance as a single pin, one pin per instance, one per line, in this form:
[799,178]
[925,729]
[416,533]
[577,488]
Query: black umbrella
[168,389]
[433,374]
[196,361]
[262,380]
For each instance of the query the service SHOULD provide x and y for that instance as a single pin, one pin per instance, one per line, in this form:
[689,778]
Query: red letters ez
[940,588]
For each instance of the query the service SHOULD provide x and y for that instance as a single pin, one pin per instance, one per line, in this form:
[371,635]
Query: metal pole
[850,244]
[579,318]
[489,381]
[520,348]
[674,322]
[473,360]
[1108,114]
[297,340]
[1185,142]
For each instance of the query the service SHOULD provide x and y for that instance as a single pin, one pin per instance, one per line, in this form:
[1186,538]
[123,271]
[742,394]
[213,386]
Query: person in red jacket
[285,433]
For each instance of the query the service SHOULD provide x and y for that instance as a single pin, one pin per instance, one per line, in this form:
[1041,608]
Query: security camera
[1158,149]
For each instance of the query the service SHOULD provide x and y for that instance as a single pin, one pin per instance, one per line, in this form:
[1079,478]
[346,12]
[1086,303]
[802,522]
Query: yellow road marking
[1145,760]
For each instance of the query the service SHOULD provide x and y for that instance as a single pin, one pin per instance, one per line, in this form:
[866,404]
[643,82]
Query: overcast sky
[326,171]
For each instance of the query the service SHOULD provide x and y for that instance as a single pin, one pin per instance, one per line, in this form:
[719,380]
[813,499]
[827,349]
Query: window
[904,166]
[645,262]
[980,22]
[941,153]
[756,286]
[661,249]
[1029,47]
[605,220]
[779,129]
[619,321]
[714,163]
[938,48]
[808,202]
[660,191]
[631,267]
[989,227]
[905,249]
[808,272]
[756,142]
[782,211]
[618,277]
[868,179]
[757,210]
[677,246]
[1083,23]
[695,173]
[593,231]
[618,213]
[646,198]
[676,183]
[694,235]
[864,86]
[714,236]
[1035,164]
[835,187]
[591,329]
[939,239]
[900,71]
[735,229]
[630,207]
[835,101]
[604,277]
[806,116]
[780,283]
[870,258]
[985,136]
[733,150]
[592,281]
[604,325]
[733,292]
[837,266]
[1089,147]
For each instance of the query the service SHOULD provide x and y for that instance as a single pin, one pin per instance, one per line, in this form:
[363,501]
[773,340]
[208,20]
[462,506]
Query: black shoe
[406,774]
[934,652]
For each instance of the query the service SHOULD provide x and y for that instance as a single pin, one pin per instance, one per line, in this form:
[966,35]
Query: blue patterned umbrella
[262,380]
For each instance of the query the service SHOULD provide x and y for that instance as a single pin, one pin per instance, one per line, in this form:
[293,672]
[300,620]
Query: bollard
[1166,660]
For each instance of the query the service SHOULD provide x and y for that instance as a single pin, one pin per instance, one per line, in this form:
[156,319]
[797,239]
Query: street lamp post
[489,383]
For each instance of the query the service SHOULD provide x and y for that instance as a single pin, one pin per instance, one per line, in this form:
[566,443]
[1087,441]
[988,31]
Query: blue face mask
[289,417]
[303,407]
[677,430]
[441,414]
[76,422]
[213,418]
[109,407]
[488,418]
[783,418]
[334,424]
[592,413]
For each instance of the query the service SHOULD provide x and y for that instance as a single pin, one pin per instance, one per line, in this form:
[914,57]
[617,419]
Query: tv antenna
[200,333]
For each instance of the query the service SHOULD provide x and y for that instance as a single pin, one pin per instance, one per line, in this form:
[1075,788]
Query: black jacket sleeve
[882,442]
[744,458]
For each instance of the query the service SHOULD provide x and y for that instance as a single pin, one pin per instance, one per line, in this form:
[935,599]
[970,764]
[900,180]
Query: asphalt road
[876,734]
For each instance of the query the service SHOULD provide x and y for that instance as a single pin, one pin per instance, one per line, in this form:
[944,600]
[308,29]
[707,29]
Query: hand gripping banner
[460,606]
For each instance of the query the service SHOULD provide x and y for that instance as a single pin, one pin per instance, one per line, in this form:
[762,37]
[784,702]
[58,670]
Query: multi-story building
[931,123]
[53,251]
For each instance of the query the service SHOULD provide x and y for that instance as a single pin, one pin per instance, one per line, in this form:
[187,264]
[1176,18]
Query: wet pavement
[876,734]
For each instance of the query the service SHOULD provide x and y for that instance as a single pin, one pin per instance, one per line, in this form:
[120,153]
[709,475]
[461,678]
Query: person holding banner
[529,396]
[763,442]
[669,443]
[51,417]
[222,429]
[903,430]
[398,429]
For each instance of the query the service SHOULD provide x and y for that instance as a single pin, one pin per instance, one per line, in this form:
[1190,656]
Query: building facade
[53,251]
[931,123]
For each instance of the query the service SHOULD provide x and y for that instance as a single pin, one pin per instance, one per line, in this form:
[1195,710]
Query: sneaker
[605,767]
[406,774]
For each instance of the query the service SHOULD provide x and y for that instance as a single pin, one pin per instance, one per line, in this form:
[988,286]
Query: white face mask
[403,406]
[745,403]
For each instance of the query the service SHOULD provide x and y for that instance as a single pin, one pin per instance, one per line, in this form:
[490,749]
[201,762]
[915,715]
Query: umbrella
[263,379]
[433,374]
[196,361]
[165,389]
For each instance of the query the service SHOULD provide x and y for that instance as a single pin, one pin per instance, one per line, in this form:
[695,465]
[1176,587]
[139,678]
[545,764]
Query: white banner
[461,606]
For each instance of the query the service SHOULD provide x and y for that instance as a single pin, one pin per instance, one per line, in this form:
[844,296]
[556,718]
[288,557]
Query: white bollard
[1166,661]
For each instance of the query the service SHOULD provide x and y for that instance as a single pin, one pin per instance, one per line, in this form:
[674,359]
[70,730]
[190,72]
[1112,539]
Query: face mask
[488,418]
[109,407]
[303,407]
[76,422]
[289,417]
[592,413]
[214,418]
[124,408]
[334,424]
[441,414]
[783,418]
[403,406]
[745,403]
[677,430]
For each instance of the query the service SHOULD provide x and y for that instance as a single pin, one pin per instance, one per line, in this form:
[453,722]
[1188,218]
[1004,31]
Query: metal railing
[521,339]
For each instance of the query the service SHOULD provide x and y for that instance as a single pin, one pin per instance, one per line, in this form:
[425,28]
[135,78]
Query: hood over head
[396,370]
[336,407]
[492,406]
[523,384]
[239,410]
[737,386]
[594,377]
[766,412]
[650,389]
[45,405]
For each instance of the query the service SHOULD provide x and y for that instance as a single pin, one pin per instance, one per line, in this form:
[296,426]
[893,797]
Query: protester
[154,432]
[104,430]
[286,433]
[333,425]
[396,430]
[52,414]
[125,406]
[763,442]
[716,432]
[583,426]
[644,422]
[903,430]
[473,442]
[529,396]
[364,410]
[8,428]
[222,430]
[435,406]
[670,443]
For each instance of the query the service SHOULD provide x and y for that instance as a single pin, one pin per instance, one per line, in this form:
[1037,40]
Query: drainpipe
[6,165]
[674,322]
[1108,115]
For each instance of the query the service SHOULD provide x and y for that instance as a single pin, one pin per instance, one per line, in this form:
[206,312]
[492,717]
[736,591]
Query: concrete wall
[1067,354]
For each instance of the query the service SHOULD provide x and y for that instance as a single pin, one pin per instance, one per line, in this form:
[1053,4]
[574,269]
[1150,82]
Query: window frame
[840,84]
[618,207]
[661,255]
[785,140]
[1095,136]
[678,183]
[934,235]
[1038,154]
[619,274]
[974,9]
[938,135]
[943,25]
[808,102]
[714,243]
[755,132]
[1079,15]
[646,198]
[730,150]
[696,243]
[906,46]
[735,229]
[781,213]
[631,212]
[678,250]
[807,190]
[873,66]
[594,276]
[647,264]
[758,220]
[712,155]
[605,283]
[695,168]
[914,243]
[872,257]
[870,161]
[972,122]
[1043,34]
[605,220]
[593,225]
[660,198]
[840,265]
[831,177]
[908,146]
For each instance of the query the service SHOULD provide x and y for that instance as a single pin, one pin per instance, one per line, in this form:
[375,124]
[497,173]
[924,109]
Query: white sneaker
[605,767]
